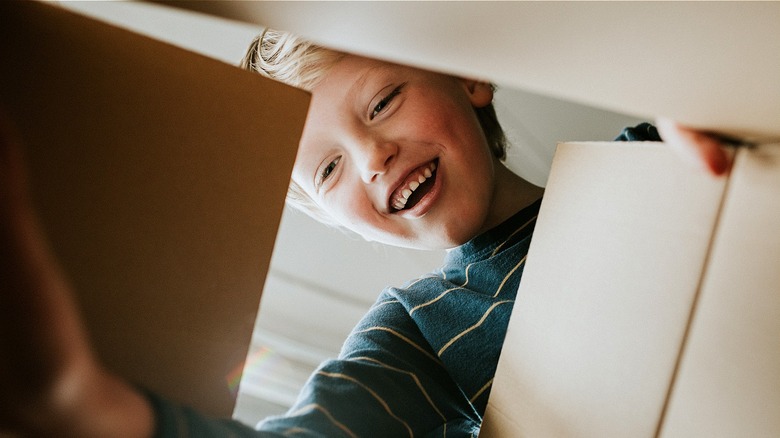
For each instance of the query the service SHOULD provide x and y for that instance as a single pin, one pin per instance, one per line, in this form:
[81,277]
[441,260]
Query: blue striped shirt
[421,361]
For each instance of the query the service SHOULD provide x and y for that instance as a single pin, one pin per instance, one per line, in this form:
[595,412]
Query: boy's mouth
[414,188]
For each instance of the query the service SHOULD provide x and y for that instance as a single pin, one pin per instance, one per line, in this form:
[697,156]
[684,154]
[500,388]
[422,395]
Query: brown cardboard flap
[601,313]
[729,378]
[160,177]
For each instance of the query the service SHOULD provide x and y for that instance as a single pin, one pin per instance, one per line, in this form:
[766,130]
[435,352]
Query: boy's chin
[429,242]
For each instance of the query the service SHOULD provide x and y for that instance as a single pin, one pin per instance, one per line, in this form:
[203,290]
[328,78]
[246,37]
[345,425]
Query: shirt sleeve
[386,382]
[177,421]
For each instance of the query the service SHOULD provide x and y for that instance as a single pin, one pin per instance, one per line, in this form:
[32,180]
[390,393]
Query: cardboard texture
[160,176]
[711,65]
[640,268]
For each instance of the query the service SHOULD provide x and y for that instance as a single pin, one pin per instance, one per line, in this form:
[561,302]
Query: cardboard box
[648,305]
[160,176]
[631,354]
[649,301]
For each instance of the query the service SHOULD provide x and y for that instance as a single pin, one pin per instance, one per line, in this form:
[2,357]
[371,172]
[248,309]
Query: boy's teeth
[402,197]
[400,203]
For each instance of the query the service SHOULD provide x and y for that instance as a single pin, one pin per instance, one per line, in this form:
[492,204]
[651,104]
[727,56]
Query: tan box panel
[729,379]
[160,177]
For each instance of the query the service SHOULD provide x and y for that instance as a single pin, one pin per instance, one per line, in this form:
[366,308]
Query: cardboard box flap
[160,176]
[729,378]
[712,65]
[616,260]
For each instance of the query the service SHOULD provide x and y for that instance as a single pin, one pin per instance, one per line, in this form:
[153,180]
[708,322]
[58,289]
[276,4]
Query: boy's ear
[480,93]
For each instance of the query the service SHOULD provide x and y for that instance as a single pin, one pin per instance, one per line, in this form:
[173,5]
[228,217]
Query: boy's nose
[376,158]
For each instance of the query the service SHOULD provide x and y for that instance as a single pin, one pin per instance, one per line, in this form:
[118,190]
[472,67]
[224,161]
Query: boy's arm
[50,382]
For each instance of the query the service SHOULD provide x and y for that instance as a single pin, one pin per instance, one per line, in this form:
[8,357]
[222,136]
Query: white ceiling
[322,280]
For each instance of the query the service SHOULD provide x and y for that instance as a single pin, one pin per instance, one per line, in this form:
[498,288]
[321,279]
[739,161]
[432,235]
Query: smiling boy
[395,154]
[399,157]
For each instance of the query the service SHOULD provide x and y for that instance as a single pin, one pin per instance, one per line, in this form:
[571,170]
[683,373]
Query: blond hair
[298,62]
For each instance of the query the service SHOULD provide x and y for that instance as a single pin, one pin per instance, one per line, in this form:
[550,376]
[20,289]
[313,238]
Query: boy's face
[376,132]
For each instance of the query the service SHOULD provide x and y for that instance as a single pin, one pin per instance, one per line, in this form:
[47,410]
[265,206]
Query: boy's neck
[512,194]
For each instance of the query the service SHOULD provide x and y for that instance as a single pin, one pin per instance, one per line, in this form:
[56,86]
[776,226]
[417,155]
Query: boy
[395,154]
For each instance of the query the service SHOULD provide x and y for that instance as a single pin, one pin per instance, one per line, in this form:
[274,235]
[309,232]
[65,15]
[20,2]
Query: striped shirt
[422,360]
[419,363]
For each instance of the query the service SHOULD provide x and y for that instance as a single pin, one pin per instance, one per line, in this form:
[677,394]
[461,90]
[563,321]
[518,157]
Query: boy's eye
[382,104]
[327,171]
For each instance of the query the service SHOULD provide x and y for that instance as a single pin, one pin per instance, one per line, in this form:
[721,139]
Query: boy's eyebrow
[360,83]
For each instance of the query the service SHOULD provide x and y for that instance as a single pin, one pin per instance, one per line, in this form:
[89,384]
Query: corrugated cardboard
[160,177]
[639,268]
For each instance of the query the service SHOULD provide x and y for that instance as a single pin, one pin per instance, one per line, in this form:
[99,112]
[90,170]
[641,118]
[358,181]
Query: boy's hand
[699,149]
[50,383]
